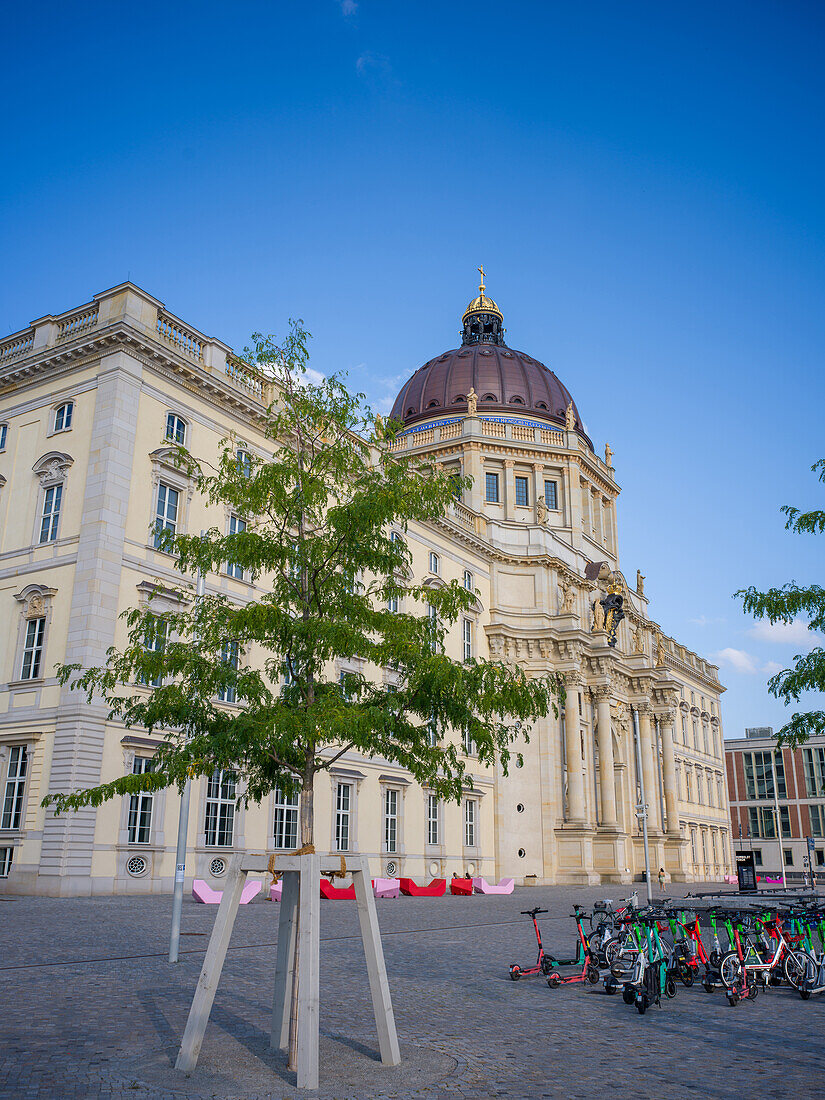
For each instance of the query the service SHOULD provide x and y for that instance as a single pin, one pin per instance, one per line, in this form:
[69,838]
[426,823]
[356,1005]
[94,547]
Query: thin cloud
[795,633]
[703,620]
[745,662]
[771,668]
[374,66]
[348,7]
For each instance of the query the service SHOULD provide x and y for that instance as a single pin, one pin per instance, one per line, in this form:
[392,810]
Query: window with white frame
[229,656]
[4,430]
[432,819]
[469,743]
[817,819]
[15,787]
[469,582]
[63,416]
[470,822]
[285,832]
[551,495]
[688,785]
[243,461]
[467,638]
[166,511]
[522,496]
[392,604]
[50,516]
[154,641]
[343,813]
[435,564]
[432,733]
[6,857]
[139,826]
[236,526]
[175,428]
[390,820]
[813,763]
[219,824]
[33,645]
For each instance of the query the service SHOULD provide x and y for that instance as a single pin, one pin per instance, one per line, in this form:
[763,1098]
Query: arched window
[63,416]
[175,428]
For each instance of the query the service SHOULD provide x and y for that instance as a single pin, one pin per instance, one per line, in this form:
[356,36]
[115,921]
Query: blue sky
[643,183]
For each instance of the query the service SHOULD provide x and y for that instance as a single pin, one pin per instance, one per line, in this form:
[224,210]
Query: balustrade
[493,427]
[75,323]
[18,345]
[245,376]
[184,340]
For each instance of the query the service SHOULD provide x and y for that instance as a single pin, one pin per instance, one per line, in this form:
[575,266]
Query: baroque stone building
[89,403]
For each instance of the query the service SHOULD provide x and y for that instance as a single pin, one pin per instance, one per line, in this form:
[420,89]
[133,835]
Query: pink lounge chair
[436,889]
[275,890]
[461,887]
[482,886]
[386,887]
[203,892]
[337,893]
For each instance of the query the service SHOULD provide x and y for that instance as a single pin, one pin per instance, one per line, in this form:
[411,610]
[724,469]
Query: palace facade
[90,401]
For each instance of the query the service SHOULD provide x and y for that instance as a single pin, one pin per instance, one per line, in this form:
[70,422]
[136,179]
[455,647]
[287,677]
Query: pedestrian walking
[662,879]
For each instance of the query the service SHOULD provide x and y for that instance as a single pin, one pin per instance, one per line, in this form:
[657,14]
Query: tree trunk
[307,803]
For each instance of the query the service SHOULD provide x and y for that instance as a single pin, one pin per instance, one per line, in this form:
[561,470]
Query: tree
[323,523]
[784,605]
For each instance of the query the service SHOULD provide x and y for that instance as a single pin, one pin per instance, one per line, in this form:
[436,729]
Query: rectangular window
[467,638]
[522,498]
[434,562]
[470,823]
[817,819]
[51,513]
[432,616]
[285,834]
[140,805]
[820,857]
[762,822]
[787,855]
[229,656]
[63,417]
[469,583]
[705,739]
[491,488]
[469,744]
[757,857]
[432,819]
[244,463]
[759,775]
[33,649]
[689,785]
[220,809]
[814,765]
[175,428]
[15,787]
[3,432]
[390,821]
[551,495]
[392,604]
[154,641]
[6,855]
[343,801]
[166,511]
[236,526]
[785,819]
[432,733]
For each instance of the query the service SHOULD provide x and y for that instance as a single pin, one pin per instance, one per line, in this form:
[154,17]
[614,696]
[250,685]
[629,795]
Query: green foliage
[325,514]
[786,604]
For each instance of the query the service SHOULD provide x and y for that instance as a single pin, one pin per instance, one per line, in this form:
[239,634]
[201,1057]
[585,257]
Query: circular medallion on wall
[434,869]
[137,866]
[521,853]
[391,868]
[217,866]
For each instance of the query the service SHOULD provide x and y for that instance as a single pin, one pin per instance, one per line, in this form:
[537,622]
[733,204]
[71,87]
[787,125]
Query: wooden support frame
[298,944]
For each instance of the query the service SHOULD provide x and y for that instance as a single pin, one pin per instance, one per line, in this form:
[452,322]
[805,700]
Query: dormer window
[175,429]
[63,417]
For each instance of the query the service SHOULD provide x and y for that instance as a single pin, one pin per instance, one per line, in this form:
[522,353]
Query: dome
[504,380]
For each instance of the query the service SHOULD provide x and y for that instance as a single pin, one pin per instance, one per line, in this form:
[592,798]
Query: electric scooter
[589,961]
[544,962]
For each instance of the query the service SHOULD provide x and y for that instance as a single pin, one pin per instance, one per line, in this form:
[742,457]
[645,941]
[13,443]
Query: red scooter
[544,963]
[590,968]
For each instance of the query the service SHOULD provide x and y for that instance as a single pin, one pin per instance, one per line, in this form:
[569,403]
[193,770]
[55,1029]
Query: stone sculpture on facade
[598,615]
[640,583]
[472,402]
[608,456]
[569,418]
[567,603]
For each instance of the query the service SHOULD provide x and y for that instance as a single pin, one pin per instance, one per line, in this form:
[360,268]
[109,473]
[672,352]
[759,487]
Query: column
[538,484]
[649,771]
[607,779]
[509,490]
[472,468]
[573,751]
[669,773]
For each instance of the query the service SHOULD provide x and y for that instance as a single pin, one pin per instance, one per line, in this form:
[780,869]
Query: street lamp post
[641,809]
[183,830]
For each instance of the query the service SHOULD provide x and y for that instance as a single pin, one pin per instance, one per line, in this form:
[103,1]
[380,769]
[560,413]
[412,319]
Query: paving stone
[92,1008]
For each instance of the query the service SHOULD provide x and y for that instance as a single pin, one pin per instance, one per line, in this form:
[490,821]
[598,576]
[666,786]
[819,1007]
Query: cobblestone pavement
[91,1008]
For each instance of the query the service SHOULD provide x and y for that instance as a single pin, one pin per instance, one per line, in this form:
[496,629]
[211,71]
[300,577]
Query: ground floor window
[390,820]
[757,857]
[470,816]
[219,826]
[140,805]
[285,834]
[6,855]
[343,810]
[787,855]
[15,787]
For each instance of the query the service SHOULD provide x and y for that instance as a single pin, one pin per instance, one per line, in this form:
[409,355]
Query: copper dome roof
[505,381]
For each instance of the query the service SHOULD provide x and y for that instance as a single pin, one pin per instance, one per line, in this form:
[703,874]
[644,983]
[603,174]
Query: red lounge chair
[461,886]
[337,893]
[436,889]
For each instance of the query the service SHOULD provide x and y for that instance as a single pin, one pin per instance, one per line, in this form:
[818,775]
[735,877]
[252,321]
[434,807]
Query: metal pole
[641,809]
[778,818]
[183,829]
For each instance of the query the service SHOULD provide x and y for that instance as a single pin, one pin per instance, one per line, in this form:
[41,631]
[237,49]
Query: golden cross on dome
[480,270]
